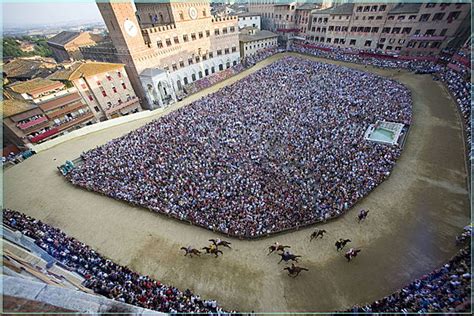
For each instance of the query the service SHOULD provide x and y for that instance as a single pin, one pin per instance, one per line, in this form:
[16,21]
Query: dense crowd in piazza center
[280,148]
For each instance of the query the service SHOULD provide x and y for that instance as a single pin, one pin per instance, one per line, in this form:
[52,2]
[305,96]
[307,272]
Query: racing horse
[218,242]
[362,215]
[191,251]
[352,253]
[276,247]
[341,243]
[287,256]
[294,271]
[317,233]
[212,249]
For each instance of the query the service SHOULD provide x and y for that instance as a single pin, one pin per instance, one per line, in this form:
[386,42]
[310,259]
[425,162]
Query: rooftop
[84,69]
[64,37]
[307,6]
[342,9]
[28,68]
[259,35]
[14,107]
[247,14]
[405,8]
[35,86]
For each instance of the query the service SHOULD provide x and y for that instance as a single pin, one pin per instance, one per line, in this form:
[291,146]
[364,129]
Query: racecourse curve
[415,216]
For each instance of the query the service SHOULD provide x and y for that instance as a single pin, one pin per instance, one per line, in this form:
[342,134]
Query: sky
[23,13]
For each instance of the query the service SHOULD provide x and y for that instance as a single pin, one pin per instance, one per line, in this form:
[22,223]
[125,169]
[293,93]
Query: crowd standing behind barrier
[105,277]
[447,289]
[281,148]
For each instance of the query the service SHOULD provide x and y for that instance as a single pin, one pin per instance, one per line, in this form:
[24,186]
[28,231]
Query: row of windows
[196,59]
[369,8]
[206,73]
[388,30]
[260,45]
[250,18]
[443,5]
[423,18]
[194,36]
[368,43]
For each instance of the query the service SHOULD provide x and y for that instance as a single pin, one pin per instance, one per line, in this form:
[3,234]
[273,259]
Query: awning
[33,123]
[44,135]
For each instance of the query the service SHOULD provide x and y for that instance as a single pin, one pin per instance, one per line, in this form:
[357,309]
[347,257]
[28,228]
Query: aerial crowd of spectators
[247,62]
[460,88]
[447,289]
[352,56]
[105,277]
[281,148]
[211,80]
[457,79]
[260,55]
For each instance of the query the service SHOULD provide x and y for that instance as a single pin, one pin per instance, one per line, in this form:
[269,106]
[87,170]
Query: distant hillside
[12,47]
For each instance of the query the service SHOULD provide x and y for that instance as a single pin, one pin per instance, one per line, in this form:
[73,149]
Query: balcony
[77,120]
[32,123]
[44,135]
[68,109]
[120,106]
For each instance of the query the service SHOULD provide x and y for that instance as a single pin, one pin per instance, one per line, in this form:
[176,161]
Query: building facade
[178,42]
[253,40]
[249,20]
[104,87]
[411,29]
[289,19]
[42,109]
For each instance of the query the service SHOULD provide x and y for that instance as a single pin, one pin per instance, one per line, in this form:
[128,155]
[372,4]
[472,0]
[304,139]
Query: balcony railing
[32,123]
[75,121]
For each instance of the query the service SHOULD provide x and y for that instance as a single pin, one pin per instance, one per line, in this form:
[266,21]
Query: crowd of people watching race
[105,277]
[260,55]
[460,88]
[211,80]
[447,290]
[457,81]
[281,148]
[352,56]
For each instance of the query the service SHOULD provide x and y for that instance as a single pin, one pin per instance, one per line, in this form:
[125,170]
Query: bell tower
[126,35]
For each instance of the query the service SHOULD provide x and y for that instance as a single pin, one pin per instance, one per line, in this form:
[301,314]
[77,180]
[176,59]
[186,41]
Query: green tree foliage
[11,47]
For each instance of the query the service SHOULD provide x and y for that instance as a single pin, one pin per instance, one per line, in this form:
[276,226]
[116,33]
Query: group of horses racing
[281,250]
[213,248]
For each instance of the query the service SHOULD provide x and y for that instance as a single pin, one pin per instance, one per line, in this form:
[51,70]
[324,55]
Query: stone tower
[126,35]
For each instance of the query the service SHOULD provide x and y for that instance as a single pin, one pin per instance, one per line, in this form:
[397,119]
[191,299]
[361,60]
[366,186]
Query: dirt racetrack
[415,216]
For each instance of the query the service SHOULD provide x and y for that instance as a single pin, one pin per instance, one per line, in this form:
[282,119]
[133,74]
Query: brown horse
[276,247]
[191,251]
[218,242]
[213,251]
[317,233]
[294,271]
[287,256]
